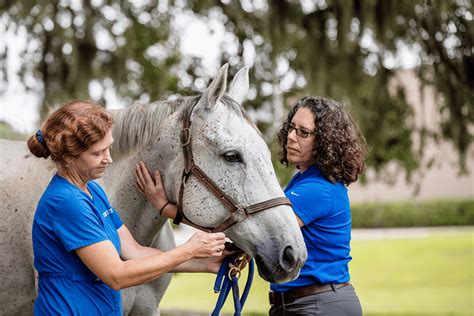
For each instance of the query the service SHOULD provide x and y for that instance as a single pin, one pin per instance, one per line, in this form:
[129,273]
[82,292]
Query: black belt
[278,298]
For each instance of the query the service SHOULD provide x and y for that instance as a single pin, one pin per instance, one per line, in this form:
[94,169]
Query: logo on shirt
[293,193]
[108,212]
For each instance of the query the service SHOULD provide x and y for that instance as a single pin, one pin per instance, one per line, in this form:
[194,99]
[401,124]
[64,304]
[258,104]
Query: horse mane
[137,125]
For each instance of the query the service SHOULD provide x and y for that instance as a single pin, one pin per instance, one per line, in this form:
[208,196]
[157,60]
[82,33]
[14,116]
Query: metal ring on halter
[238,265]
[240,262]
[234,272]
[188,141]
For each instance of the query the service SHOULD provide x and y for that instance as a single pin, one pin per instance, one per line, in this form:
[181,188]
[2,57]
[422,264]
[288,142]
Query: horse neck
[133,209]
[139,125]
[138,215]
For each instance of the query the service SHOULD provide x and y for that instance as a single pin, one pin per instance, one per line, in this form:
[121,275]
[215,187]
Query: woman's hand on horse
[203,245]
[152,189]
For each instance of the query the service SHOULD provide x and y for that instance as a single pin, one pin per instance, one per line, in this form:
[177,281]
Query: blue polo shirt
[66,219]
[324,209]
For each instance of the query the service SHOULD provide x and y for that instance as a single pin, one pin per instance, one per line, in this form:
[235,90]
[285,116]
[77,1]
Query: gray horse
[220,128]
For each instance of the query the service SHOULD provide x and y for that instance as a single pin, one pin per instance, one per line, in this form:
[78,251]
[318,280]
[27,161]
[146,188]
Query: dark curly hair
[339,148]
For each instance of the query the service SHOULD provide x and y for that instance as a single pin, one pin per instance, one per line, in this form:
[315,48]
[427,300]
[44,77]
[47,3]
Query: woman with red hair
[83,252]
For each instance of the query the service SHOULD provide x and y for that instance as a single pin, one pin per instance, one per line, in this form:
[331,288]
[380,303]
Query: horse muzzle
[283,266]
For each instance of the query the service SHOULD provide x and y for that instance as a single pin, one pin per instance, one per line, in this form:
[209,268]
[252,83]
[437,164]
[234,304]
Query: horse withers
[227,147]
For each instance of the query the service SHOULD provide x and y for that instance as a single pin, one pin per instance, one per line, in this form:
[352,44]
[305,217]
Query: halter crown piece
[39,137]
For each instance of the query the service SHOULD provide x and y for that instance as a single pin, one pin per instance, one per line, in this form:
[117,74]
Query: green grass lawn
[413,276]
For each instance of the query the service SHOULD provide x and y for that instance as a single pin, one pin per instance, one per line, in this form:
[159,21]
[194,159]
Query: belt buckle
[276,298]
[281,298]
[288,297]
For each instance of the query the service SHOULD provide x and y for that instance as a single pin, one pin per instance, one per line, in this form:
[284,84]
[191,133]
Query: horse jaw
[273,238]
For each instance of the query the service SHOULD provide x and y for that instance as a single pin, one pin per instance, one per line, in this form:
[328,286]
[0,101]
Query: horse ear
[239,87]
[217,87]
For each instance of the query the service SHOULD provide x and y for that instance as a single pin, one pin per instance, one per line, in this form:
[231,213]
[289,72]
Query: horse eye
[232,156]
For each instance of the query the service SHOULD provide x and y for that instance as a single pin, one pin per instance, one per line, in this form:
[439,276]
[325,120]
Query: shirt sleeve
[116,219]
[77,225]
[310,201]
[114,215]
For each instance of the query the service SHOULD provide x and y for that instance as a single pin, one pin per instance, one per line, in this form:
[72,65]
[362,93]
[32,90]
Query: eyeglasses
[301,132]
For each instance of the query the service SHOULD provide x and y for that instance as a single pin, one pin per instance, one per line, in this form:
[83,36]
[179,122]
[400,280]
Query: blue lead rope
[224,283]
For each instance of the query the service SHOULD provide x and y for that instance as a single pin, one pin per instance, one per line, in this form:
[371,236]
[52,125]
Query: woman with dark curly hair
[320,138]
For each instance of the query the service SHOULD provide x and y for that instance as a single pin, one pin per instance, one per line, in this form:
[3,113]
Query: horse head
[230,151]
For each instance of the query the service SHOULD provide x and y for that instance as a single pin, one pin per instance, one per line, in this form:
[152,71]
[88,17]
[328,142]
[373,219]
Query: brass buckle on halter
[234,272]
[185,137]
[238,265]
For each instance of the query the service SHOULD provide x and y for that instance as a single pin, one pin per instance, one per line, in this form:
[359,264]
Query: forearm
[170,211]
[137,264]
[141,252]
[195,265]
[152,265]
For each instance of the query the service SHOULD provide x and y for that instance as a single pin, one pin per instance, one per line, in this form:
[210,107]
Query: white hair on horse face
[238,108]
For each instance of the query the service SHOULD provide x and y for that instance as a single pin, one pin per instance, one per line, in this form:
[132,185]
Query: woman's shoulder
[314,179]
[317,179]
[59,189]
[313,187]
[96,188]
[313,191]
[64,195]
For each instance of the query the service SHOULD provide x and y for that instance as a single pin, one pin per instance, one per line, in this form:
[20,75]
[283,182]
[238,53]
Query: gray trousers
[340,302]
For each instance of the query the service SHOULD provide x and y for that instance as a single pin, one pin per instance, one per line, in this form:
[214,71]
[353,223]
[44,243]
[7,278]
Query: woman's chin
[291,159]
[99,174]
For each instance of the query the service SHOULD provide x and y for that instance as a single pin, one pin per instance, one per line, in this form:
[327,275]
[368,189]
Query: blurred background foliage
[346,50]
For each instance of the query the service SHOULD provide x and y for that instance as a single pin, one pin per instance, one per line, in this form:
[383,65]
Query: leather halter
[238,212]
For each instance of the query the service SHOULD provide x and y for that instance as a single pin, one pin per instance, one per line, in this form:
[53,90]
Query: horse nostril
[288,258]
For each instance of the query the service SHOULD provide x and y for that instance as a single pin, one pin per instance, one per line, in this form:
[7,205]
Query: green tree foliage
[345,50]
[338,48]
[120,46]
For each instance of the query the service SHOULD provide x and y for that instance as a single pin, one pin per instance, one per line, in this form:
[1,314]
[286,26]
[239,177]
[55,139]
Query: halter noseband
[238,212]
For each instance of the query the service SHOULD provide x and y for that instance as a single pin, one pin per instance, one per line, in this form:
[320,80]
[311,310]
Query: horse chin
[276,273]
